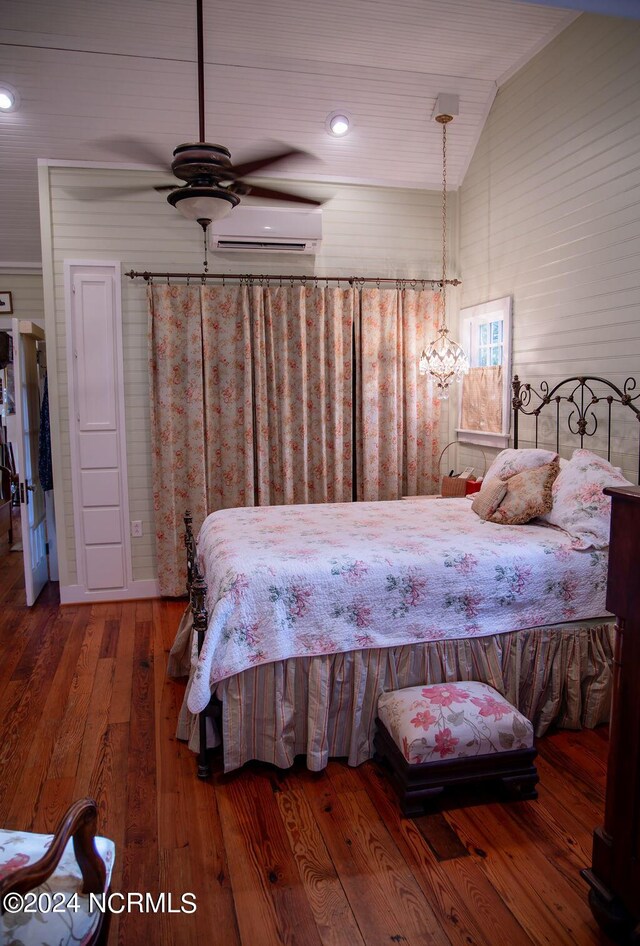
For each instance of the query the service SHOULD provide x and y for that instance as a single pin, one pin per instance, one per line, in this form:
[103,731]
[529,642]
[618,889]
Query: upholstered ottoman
[453,734]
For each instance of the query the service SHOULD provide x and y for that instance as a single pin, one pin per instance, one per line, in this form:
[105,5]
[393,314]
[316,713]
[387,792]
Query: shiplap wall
[367,231]
[27,297]
[550,211]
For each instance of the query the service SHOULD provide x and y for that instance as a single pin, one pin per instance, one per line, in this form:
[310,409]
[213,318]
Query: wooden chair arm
[79,822]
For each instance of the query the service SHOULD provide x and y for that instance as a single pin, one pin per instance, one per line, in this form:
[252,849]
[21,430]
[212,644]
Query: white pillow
[509,462]
[579,505]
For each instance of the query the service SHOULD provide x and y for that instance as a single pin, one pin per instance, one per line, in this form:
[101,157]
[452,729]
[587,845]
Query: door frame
[34,578]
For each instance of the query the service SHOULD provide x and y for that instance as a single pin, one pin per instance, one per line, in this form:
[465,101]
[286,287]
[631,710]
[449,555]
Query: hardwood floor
[272,857]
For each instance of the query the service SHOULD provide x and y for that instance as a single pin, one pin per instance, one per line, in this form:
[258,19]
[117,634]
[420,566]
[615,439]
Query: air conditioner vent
[267,230]
[222,244]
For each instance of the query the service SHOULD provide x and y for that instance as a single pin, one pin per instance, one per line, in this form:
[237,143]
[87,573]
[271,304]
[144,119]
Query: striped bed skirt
[325,707]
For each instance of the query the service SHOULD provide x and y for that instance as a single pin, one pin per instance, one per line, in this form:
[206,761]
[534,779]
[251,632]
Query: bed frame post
[197,591]
[200,622]
[189,546]
[516,404]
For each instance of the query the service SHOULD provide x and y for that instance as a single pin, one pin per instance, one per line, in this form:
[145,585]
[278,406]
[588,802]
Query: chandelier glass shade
[444,360]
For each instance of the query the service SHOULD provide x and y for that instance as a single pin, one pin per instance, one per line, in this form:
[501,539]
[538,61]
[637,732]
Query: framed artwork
[486,390]
[6,303]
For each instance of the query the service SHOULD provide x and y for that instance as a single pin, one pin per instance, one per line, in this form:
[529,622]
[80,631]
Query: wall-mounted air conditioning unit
[268,230]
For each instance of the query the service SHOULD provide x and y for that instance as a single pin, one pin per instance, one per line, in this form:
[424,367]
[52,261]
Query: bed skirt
[323,707]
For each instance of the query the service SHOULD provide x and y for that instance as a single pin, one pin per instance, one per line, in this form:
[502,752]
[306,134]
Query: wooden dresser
[614,876]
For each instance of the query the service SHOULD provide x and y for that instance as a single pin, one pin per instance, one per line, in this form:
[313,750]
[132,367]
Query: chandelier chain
[444,359]
[444,224]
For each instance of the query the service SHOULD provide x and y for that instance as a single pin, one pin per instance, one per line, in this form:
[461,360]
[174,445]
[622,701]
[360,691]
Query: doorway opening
[25,455]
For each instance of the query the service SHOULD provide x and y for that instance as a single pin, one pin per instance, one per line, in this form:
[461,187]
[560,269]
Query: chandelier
[444,359]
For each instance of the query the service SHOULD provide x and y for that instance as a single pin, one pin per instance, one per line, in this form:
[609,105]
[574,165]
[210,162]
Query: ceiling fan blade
[266,160]
[135,150]
[271,194]
[106,193]
[161,188]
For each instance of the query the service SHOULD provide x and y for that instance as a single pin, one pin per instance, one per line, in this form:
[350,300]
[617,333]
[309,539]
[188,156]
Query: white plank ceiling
[275,69]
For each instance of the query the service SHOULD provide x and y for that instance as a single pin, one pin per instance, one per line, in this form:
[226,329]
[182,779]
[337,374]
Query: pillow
[528,495]
[510,461]
[579,505]
[487,500]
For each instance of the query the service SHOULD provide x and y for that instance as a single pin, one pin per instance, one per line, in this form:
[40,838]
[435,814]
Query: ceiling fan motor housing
[201,163]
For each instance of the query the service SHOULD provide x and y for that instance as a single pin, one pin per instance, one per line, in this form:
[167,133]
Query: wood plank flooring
[272,857]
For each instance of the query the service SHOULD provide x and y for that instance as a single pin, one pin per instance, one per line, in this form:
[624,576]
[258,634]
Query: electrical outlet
[136,528]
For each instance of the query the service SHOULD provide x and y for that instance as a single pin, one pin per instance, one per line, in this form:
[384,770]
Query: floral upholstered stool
[453,734]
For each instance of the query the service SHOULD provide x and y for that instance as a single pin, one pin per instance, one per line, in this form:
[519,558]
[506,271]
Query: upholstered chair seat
[46,881]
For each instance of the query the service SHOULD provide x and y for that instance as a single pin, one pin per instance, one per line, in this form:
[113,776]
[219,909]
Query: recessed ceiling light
[338,124]
[8,98]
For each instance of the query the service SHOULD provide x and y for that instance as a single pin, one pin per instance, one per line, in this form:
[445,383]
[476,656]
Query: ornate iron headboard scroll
[580,394]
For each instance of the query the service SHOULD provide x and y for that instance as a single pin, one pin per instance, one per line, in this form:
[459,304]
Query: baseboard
[78,594]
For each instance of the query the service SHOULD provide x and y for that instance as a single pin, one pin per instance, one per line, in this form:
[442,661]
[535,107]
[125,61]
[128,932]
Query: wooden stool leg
[414,804]
[521,786]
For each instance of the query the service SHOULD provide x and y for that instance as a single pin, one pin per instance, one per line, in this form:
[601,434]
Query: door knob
[25,489]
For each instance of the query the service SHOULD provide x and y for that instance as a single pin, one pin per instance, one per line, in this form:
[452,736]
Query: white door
[32,505]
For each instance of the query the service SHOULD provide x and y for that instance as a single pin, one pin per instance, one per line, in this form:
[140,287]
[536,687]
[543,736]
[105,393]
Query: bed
[300,616]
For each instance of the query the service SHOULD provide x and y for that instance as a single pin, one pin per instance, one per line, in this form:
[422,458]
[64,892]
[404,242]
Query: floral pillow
[486,502]
[509,462]
[528,495]
[579,505]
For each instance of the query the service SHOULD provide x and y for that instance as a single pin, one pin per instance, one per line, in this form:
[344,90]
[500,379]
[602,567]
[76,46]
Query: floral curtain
[228,396]
[252,400]
[398,412]
[303,380]
[177,424]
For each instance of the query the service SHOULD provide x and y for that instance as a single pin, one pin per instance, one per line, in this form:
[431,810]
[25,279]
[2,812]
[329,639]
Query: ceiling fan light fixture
[211,186]
[338,124]
[8,98]
[203,203]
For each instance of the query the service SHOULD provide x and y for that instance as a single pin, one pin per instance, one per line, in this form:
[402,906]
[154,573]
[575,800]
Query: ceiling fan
[212,186]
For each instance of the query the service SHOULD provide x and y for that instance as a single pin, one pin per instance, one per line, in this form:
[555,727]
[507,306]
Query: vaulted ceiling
[275,69]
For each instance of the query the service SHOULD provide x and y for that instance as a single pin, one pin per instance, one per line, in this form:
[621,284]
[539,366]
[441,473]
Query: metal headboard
[579,393]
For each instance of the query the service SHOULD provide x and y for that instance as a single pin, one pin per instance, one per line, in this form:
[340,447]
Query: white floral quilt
[293,581]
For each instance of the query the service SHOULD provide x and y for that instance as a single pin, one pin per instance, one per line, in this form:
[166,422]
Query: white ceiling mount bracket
[446,104]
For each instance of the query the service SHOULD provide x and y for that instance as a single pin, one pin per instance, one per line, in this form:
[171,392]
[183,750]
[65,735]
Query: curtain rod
[248,277]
